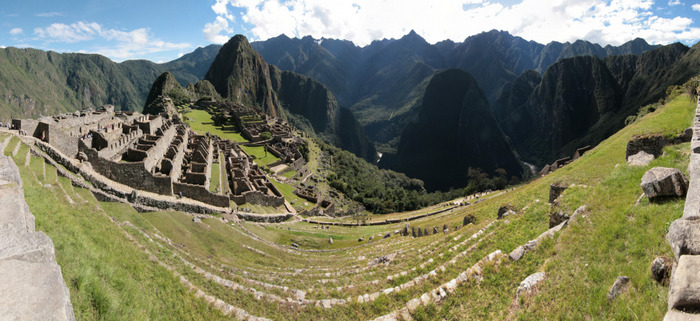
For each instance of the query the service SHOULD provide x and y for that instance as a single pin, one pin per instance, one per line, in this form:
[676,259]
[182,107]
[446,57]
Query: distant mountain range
[537,102]
[383,82]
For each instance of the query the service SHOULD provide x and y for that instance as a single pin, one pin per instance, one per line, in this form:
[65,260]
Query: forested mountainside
[382,83]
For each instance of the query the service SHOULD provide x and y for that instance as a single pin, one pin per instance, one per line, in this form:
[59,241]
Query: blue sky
[164,30]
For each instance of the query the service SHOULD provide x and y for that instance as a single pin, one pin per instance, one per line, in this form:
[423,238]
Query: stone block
[684,292]
[684,236]
[664,181]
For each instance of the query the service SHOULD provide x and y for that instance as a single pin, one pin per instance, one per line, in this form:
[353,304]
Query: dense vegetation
[379,190]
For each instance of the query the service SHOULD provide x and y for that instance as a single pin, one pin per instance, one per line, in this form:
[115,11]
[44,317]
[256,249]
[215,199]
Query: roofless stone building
[156,154]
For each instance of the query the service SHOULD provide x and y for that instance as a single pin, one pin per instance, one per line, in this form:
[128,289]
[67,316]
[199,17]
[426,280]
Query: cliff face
[582,100]
[241,75]
[454,130]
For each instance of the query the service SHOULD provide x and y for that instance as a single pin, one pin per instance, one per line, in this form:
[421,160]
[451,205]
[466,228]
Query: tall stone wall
[683,236]
[32,286]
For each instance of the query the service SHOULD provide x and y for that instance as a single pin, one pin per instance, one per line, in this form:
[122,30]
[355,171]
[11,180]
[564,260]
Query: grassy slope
[616,238]
[109,278]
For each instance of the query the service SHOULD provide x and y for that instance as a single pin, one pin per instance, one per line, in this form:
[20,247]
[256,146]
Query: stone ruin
[564,161]
[155,154]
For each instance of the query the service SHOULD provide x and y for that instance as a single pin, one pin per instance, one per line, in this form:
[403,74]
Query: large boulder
[683,293]
[664,181]
[684,236]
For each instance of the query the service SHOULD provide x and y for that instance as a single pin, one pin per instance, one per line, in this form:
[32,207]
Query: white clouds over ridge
[361,21]
[126,44]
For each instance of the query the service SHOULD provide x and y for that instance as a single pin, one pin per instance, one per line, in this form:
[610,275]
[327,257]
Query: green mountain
[455,130]
[35,82]
[583,100]
[241,75]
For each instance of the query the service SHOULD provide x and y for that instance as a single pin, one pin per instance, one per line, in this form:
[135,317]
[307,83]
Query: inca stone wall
[32,286]
[684,238]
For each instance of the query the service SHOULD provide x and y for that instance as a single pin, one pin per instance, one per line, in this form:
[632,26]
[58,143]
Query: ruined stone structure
[155,154]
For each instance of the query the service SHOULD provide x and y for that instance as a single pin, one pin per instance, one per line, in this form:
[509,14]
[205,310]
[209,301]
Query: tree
[265,135]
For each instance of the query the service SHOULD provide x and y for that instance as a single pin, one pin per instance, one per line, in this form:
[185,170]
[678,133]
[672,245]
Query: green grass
[289,173]
[202,123]
[260,156]
[109,278]
[288,193]
[215,178]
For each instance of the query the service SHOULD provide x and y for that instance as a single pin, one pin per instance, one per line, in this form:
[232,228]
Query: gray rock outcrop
[664,181]
[32,286]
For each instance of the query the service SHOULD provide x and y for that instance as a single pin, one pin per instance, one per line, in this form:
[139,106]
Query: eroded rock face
[664,181]
[555,191]
[557,217]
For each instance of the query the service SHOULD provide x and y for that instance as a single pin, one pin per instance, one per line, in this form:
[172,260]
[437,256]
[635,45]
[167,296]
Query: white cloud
[16,31]
[121,44]
[674,2]
[696,7]
[48,14]
[60,32]
[212,31]
[361,21]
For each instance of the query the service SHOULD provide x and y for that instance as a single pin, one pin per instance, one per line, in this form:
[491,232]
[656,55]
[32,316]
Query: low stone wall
[32,286]
[200,193]
[385,222]
[269,218]
[258,197]
[654,143]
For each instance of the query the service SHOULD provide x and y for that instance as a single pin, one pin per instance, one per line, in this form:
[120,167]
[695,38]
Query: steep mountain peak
[241,75]
[456,129]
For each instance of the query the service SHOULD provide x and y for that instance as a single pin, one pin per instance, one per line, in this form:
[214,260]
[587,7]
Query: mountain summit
[241,75]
